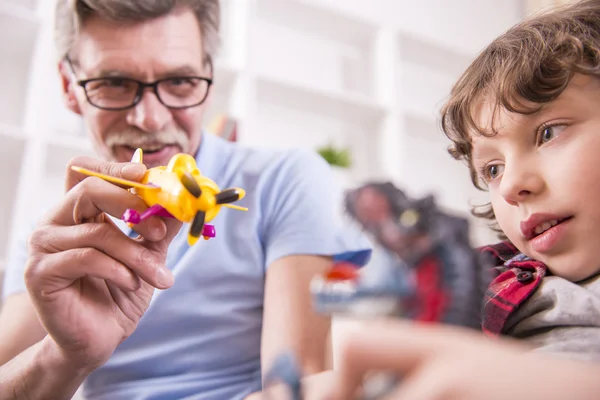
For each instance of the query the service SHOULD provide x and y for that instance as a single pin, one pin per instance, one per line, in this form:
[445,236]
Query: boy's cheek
[508,219]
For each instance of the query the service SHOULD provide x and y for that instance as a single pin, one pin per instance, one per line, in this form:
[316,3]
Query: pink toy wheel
[131,216]
[209,231]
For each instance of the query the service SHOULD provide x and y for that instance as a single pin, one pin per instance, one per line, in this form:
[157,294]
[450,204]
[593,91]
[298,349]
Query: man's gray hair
[71,14]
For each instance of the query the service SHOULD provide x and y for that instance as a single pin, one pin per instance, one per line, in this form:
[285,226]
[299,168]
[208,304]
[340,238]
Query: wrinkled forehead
[174,38]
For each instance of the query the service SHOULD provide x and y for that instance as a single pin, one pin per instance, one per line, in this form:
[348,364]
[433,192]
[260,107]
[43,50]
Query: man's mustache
[136,138]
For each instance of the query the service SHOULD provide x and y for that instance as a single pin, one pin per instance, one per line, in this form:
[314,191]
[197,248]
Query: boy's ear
[68,87]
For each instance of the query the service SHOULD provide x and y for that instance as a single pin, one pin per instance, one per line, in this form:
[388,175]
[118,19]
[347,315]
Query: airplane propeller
[189,182]
[228,196]
[197,224]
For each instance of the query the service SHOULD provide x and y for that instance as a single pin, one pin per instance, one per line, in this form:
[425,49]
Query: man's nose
[521,180]
[149,114]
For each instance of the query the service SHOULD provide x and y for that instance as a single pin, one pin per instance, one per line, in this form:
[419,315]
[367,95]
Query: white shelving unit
[20,26]
[295,73]
[37,135]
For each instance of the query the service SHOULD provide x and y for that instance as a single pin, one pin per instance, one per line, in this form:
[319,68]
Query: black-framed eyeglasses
[118,93]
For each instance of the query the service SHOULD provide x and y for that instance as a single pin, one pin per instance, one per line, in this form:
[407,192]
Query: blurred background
[361,79]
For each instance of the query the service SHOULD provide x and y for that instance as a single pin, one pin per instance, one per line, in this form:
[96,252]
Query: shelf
[221,95]
[227,30]
[12,151]
[11,131]
[69,143]
[293,41]
[432,56]
[353,108]
[422,125]
[24,6]
[422,92]
[60,152]
[290,116]
[19,27]
[426,73]
[64,123]
[430,168]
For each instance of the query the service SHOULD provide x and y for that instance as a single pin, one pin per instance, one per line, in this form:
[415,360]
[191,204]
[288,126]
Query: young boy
[525,116]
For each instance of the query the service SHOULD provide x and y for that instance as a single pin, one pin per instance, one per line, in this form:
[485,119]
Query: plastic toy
[285,370]
[432,273]
[178,191]
[345,291]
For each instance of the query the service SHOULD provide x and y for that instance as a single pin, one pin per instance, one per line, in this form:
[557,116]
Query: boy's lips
[538,223]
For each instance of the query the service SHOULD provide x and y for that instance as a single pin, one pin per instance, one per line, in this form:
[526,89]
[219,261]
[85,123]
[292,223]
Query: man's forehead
[173,39]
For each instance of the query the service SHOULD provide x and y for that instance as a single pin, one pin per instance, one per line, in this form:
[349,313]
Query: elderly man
[81,303]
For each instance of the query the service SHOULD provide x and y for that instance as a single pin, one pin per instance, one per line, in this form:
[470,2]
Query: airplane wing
[113,179]
[235,207]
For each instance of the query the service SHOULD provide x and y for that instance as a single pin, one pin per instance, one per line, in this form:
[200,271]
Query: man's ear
[68,87]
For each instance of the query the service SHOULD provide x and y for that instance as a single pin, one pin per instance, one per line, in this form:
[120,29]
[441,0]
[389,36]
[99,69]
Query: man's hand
[89,282]
[443,363]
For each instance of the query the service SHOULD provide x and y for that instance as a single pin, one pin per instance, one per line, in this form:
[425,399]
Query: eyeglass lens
[122,92]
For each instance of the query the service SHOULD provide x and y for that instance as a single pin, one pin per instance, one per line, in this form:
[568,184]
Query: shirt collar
[210,157]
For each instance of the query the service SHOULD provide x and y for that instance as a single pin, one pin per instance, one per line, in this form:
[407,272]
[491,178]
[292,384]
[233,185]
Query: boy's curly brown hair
[521,70]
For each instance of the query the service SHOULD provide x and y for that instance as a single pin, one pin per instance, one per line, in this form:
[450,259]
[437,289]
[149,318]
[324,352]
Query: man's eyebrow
[185,70]
[107,73]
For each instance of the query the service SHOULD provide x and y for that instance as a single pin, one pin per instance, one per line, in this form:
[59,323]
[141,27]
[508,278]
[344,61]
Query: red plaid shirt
[516,277]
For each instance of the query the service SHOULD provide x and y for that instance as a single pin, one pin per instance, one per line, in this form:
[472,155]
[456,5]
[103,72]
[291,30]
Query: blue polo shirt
[200,339]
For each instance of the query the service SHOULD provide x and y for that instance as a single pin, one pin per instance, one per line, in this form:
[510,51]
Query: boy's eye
[492,171]
[549,132]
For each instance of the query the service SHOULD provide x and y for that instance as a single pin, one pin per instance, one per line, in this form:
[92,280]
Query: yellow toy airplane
[179,191]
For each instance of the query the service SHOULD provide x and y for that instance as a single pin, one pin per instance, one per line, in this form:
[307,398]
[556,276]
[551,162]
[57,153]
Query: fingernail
[133,169]
[158,231]
[164,277]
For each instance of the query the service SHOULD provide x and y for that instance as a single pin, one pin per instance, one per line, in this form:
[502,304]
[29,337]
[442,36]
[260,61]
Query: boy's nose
[149,114]
[520,181]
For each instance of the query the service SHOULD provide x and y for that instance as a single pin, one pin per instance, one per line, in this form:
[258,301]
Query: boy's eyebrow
[477,152]
[475,156]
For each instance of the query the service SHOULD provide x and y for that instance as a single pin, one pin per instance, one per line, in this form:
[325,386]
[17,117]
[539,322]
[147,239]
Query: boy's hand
[443,363]
[314,387]
[89,282]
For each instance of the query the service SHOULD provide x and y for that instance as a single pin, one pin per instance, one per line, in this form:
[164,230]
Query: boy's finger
[420,385]
[391,345]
